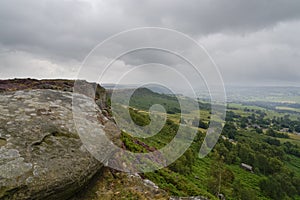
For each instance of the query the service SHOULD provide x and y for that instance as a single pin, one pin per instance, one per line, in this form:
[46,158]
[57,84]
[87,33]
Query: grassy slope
[195,183]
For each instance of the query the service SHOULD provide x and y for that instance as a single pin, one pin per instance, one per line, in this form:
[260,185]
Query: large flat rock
[41,154]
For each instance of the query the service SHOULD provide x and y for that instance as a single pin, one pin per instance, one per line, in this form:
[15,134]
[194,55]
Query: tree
[274,166]
[272,133]
[229,130]
[199,123]
[272,141]
[245,153]
[184,164]
[271,188]
[297,128]
[240,192]
[279,186]
[203,125]
[262,163]
[220,176]
[231,158]
[258,130]
[244,122]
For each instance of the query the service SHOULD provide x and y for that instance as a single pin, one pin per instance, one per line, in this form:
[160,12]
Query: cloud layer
[253,42]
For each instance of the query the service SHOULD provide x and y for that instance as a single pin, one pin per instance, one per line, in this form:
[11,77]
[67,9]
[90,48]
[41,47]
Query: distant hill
[144,98]
[154,87]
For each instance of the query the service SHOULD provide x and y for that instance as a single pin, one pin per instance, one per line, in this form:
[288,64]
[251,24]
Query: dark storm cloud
[265,56]
[257,39]
[55,28]
[210,16]
[71,28]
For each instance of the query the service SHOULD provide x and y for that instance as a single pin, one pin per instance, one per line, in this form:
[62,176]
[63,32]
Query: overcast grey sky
[253,42]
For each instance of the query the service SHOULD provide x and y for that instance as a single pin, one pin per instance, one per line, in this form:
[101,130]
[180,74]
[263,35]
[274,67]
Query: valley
[255,133]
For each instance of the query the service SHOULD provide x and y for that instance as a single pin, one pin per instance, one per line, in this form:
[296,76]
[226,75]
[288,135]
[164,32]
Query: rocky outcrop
[41,154]
[113,185]
[43,157]
[23,84]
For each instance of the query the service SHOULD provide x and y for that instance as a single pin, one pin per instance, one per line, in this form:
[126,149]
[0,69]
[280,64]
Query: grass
[293,164]
[294,139]
[195,182]
[178,185]
[239,109]
[287,108]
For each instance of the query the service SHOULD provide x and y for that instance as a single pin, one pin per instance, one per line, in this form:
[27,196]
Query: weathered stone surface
[41,154]
[114,185]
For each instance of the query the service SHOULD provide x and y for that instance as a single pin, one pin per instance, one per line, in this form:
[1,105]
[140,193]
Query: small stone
[29,180]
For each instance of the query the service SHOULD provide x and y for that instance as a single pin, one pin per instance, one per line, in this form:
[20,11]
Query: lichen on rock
[41,154]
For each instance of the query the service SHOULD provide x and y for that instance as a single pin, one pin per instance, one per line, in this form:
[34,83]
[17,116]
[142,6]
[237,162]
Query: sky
[253,42]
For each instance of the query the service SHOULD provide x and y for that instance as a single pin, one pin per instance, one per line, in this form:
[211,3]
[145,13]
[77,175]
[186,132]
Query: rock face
[41,154]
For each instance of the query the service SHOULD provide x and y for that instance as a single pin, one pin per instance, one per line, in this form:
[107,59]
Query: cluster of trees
[200,124]
[184,164]
[280,186]
[266,161]
[240,191]
[230,116]
[264,152]
[219,175]
[285,122]
[264,158]
[267,156]
[272,133]
[292,149]
[259,118]
[272,141]
[229,130]
[256,119]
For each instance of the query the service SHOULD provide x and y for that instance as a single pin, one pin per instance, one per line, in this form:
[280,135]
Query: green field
[288,108]
[256,139]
